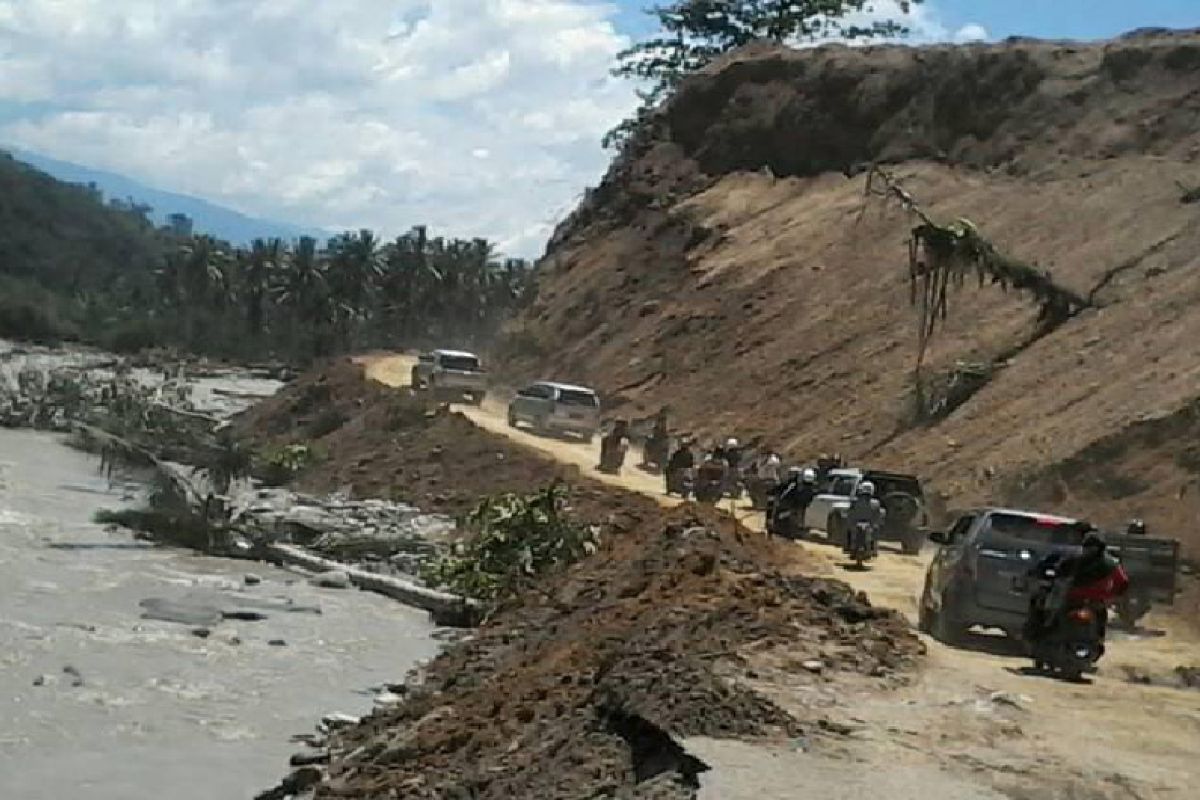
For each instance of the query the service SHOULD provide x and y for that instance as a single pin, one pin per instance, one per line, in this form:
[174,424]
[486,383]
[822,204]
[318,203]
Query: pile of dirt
[582,688]
[730,266]
[396,444]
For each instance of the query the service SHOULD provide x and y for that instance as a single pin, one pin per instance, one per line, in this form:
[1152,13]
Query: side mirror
[939,537]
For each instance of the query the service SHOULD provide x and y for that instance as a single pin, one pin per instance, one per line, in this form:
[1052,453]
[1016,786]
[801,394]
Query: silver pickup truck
[452,374]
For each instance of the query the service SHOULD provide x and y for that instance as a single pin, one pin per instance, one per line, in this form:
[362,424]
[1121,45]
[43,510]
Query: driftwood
[446,608]
[113,449]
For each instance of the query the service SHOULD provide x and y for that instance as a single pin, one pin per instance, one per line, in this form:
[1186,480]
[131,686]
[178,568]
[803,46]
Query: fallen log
[446,609]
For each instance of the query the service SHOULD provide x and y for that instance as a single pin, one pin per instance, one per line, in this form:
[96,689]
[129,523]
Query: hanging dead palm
[940,258]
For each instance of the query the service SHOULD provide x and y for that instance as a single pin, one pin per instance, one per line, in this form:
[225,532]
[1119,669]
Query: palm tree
[304,294]
[354,270]
[261,265]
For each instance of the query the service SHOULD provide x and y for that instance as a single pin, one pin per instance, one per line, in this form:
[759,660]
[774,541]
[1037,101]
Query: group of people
[786,494]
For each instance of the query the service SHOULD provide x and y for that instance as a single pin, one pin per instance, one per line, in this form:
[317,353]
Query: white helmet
[866,488]
[731,442]
[774,460]
[809,475]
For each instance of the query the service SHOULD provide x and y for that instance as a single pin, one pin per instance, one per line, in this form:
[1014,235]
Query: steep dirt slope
[729,265]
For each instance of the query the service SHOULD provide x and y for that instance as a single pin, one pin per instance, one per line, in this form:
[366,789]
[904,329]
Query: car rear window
[1034,530]
[461,363]
[575,397]
[889,484]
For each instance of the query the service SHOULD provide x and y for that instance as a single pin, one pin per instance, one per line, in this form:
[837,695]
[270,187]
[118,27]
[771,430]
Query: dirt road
[973,724]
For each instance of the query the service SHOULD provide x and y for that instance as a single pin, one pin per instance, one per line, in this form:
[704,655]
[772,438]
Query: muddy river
[100,702]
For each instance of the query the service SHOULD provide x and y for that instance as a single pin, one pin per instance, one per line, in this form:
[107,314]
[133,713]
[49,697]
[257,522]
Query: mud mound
[314,405]
[392,443]
[730,267]
[579,690]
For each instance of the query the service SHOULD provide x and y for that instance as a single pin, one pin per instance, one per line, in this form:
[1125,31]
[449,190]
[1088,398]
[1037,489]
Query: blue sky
[1068,19]
[476,117]
[1051,19]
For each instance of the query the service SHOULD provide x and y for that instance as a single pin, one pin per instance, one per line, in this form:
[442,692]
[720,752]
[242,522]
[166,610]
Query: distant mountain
[210,218]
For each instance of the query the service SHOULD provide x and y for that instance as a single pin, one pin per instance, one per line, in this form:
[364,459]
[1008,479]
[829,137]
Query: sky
[476,117]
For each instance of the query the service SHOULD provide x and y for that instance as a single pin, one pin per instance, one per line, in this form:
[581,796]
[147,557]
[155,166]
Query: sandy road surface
[972,726]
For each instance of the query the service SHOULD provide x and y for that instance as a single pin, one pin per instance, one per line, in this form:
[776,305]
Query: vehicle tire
[477,398]
[1130,610]
[945,628]
[835,530]
[512,419]
[924,612]
[415,379]
[911,541]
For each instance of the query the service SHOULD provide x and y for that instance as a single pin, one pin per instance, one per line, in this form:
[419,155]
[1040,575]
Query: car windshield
[1035,530]
[577,397]
[461,363]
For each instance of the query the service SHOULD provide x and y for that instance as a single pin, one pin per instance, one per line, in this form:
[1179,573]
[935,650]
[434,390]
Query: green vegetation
[941,256]
[693,33]
[279,465]
[73,267]
[228,460]
[510,541]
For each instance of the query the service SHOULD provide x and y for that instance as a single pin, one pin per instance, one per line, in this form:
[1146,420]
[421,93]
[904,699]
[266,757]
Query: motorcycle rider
[795,494]
[1096,578]
[614,446]
[682,459]
[766,479]
[864,510]
[657,443]
[710,476]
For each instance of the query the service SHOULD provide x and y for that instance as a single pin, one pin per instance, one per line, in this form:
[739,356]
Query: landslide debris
[377,441]
[730,267]
[585,687]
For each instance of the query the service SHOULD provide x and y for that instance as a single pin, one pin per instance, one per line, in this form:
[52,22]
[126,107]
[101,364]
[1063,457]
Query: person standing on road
[768,469]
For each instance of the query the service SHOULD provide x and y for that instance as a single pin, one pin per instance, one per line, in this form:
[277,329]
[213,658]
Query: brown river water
[98,702]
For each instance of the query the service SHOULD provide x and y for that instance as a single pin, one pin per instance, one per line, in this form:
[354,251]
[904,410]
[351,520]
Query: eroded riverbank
[147,708]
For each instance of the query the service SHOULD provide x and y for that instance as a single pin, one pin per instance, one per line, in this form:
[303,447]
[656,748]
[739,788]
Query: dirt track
[973,725]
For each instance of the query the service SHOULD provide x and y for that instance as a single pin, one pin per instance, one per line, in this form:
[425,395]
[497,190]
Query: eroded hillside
[730,265]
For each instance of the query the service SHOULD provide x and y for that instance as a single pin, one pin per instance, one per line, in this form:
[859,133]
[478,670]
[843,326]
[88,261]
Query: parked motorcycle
[710,482]
[1068,638]
[861,545]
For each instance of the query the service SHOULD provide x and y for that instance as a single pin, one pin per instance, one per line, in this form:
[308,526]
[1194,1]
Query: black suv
[980,575]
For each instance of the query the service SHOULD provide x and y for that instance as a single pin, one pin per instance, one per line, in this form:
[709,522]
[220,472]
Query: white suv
[451,373]
[556,408]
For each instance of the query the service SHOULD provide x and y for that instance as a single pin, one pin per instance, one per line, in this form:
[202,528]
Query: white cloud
[973,32]
[924,22]
[478,117]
